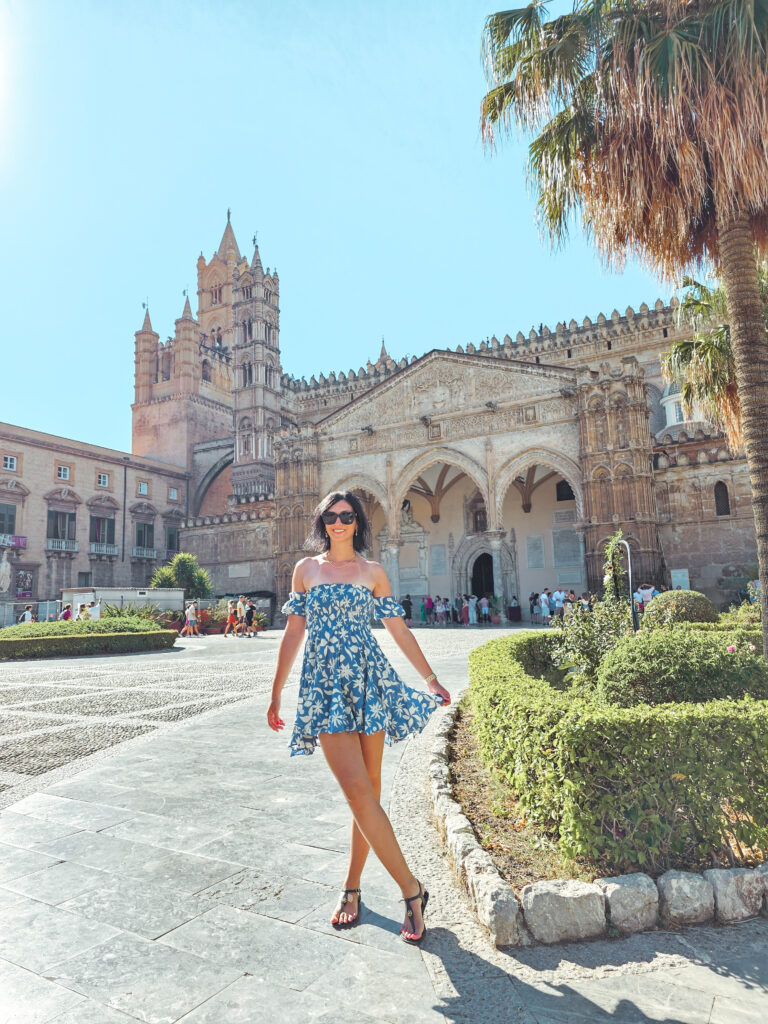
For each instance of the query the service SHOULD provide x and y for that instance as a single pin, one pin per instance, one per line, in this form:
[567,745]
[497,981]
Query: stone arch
[361,481]
[208,479]
[421,464]
[518,465]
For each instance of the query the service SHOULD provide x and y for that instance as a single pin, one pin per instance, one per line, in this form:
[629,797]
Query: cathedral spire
[256,261]
[383,355]
[228,242]
[147,325]
[187,314]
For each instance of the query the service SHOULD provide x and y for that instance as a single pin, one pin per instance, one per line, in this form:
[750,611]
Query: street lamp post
[635,622]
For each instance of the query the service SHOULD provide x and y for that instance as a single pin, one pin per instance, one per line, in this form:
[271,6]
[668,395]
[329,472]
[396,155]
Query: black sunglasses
[329,518]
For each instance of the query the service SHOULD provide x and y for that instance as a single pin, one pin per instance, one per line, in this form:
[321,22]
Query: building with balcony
[76,515]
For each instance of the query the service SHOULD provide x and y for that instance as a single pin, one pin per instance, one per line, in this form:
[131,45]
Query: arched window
[722,502]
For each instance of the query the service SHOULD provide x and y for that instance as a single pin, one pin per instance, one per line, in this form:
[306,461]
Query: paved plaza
[162,859]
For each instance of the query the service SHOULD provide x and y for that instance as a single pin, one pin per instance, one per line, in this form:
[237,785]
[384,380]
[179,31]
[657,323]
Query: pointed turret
[383,355]
[147,325]
[256,261]
[187,314]
[228,243]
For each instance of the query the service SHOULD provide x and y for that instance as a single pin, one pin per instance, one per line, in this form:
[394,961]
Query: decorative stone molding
[564,910]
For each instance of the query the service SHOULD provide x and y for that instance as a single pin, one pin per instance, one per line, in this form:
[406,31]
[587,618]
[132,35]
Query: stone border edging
[565,910]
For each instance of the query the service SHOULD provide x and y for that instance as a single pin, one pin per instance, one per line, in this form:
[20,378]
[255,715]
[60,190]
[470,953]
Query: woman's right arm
[289,648]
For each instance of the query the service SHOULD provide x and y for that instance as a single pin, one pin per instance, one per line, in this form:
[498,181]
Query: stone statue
[5,573]
[406,513]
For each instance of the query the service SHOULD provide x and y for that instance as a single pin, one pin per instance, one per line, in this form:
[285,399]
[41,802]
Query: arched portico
[519,465]
[210,476]
[418,467]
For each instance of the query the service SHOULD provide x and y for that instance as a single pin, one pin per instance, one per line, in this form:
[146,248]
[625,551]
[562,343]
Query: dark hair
[318,539]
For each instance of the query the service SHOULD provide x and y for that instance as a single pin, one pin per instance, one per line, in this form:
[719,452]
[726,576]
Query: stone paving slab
[136,920]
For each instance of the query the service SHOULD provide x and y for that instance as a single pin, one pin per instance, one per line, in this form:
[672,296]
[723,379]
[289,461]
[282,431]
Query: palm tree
[650,119]
[703,364]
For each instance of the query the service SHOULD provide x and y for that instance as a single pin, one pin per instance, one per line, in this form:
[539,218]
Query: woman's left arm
[406,641]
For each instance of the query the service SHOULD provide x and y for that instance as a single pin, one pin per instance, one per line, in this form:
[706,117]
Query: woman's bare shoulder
[301,571]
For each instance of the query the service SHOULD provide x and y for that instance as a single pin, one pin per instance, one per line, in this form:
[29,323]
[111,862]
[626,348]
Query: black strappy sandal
[345,893]
[407,900]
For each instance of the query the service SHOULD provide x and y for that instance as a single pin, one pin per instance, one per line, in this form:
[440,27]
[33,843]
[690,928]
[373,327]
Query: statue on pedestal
[5,573]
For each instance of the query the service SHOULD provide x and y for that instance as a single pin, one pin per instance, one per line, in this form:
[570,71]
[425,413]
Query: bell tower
[257,376]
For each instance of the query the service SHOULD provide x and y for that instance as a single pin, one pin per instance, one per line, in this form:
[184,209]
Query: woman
[66,614]
[465,610]
[231,619]
[350,695]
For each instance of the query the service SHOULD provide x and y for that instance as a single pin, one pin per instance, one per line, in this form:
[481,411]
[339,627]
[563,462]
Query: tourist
[637,597]
[94,610]
[190,626]
[585,602]
[422,612]
[545,609]
[536,608]
[231,620]
[438,610]
[484,615]
[533,600]
[647,593]
[241,616]
[429,606]
[27,616]
[249,610]
[472,610]
[464,610]
[66,613]
[350,694]
[569,600]
[514,611]
[407,604]
[558,599]
[82,613]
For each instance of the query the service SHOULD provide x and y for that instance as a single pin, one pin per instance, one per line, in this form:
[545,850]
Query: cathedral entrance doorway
[482,575]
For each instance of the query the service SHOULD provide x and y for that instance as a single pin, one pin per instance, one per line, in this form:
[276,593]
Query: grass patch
[521,854]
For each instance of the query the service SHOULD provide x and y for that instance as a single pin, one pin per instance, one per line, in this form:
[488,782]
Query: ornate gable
[442,384]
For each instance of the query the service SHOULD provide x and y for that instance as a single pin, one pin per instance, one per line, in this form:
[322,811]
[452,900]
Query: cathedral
[498,468]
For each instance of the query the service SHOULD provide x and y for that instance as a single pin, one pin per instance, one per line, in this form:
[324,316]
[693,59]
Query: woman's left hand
[435,687]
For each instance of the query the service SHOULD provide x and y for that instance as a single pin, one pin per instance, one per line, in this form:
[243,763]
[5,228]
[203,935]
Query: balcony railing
[57,544]
[100,548]
[11,540]
[138,552]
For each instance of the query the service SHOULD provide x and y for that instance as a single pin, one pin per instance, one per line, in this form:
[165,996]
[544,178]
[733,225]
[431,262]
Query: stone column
[495,538]
[392,548]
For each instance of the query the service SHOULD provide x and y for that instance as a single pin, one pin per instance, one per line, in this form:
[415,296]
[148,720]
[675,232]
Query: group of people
[240,618]
[557,603]
[463,610]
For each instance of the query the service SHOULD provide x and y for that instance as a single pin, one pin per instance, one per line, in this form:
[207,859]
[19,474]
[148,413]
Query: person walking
[464,610]
[484,616]
[82,613]
[66,613]
[472,610]
[231,620]
[545,610]
[351,698]
[407,604]
[250,608]
[558,600]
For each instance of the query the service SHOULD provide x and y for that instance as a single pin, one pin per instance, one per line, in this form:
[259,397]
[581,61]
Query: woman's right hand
[274,721]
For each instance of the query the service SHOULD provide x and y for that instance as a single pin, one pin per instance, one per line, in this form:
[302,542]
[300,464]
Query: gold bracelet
[431,678]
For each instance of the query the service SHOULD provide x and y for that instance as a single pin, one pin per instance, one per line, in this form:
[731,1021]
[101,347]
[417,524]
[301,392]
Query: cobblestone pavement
[188,873]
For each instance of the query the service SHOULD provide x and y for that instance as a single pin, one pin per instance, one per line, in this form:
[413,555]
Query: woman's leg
[344,754]
[372,749]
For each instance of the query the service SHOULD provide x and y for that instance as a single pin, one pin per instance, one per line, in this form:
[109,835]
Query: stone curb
[565,910]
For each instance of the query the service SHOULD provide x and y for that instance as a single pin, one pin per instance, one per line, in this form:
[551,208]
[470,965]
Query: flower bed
[653,786]
[91,642]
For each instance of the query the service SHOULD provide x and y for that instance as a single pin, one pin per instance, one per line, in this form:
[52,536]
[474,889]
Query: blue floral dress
[347,684]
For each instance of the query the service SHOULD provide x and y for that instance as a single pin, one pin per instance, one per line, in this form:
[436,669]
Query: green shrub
[184,571]
[642,786]
[748,614]
[666,665]
[679,606]
[585,636]
[126,624]
[132,610]
[77,644]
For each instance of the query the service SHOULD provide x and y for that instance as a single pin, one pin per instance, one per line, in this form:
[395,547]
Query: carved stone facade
[501,467]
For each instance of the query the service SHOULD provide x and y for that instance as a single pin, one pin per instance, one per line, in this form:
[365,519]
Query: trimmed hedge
[642,786]
[122,624]
[679,606]
[95,642]
[669,665]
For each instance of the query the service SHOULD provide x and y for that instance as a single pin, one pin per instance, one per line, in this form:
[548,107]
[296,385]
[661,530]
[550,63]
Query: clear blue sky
[346,134]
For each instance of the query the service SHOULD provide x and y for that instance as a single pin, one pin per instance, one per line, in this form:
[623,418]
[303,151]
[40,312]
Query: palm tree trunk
[750,350]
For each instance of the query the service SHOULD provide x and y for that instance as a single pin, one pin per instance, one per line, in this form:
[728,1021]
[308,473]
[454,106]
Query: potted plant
[494,605]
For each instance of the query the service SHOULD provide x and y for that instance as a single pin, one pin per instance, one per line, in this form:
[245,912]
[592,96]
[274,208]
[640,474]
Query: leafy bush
[132,609]
[642,786]
[584,637]
[183,571]
[749,613]
[125,624]
[679,606]
[77,644]
[667,665]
